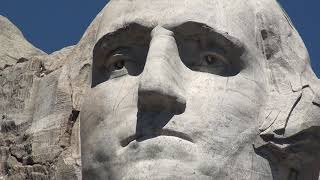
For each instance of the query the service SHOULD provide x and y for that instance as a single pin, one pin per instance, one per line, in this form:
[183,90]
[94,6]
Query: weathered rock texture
[40,99]
[153,111]
[13,45]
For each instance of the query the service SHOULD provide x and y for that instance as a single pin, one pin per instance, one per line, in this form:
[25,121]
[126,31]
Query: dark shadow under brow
[130,33]
[222,39]
[208,39]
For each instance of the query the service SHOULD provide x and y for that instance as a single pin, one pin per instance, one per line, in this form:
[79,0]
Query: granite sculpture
[164,89]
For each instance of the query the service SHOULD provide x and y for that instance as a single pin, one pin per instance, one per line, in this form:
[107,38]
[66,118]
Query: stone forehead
[237,17]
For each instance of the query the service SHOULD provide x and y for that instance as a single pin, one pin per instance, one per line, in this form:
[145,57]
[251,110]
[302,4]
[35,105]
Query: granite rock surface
[40,99]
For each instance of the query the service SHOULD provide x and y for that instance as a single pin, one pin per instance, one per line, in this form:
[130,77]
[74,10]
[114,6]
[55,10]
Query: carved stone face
[177,87]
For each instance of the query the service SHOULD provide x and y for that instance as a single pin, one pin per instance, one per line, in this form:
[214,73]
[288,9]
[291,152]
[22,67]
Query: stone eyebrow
[187,29]
[223,39]
[138,33]
[121,34]
[125,34]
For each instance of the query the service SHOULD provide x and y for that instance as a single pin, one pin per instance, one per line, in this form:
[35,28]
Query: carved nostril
[161,83]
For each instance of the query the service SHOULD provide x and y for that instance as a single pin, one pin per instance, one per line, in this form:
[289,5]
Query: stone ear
[286,115]
[290,133]
[284,85]
[290,123]
[291,84]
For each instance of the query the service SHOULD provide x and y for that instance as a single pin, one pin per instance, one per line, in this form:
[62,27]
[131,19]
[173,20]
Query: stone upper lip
[160,132]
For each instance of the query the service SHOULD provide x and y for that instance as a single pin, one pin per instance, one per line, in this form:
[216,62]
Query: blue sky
[53,24]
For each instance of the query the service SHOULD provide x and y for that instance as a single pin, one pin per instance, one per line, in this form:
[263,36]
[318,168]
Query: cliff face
[40,99]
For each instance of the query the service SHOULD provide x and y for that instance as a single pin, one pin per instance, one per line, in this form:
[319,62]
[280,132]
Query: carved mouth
[161,132]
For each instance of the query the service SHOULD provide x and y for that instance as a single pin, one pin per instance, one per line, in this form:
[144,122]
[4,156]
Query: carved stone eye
[119,65]
[210,59]
[214,60]
[214,63]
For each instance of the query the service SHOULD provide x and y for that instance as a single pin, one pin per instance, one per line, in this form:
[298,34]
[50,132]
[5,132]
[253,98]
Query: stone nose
[161,84]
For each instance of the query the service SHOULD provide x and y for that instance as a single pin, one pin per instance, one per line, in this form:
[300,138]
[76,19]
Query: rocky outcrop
[13,45]
[40,99]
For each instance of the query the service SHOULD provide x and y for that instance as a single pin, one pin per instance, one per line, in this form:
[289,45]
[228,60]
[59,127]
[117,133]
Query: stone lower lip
[162,132]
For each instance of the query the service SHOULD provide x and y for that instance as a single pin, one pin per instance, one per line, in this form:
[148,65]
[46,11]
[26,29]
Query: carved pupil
[210,59]
[119,65]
